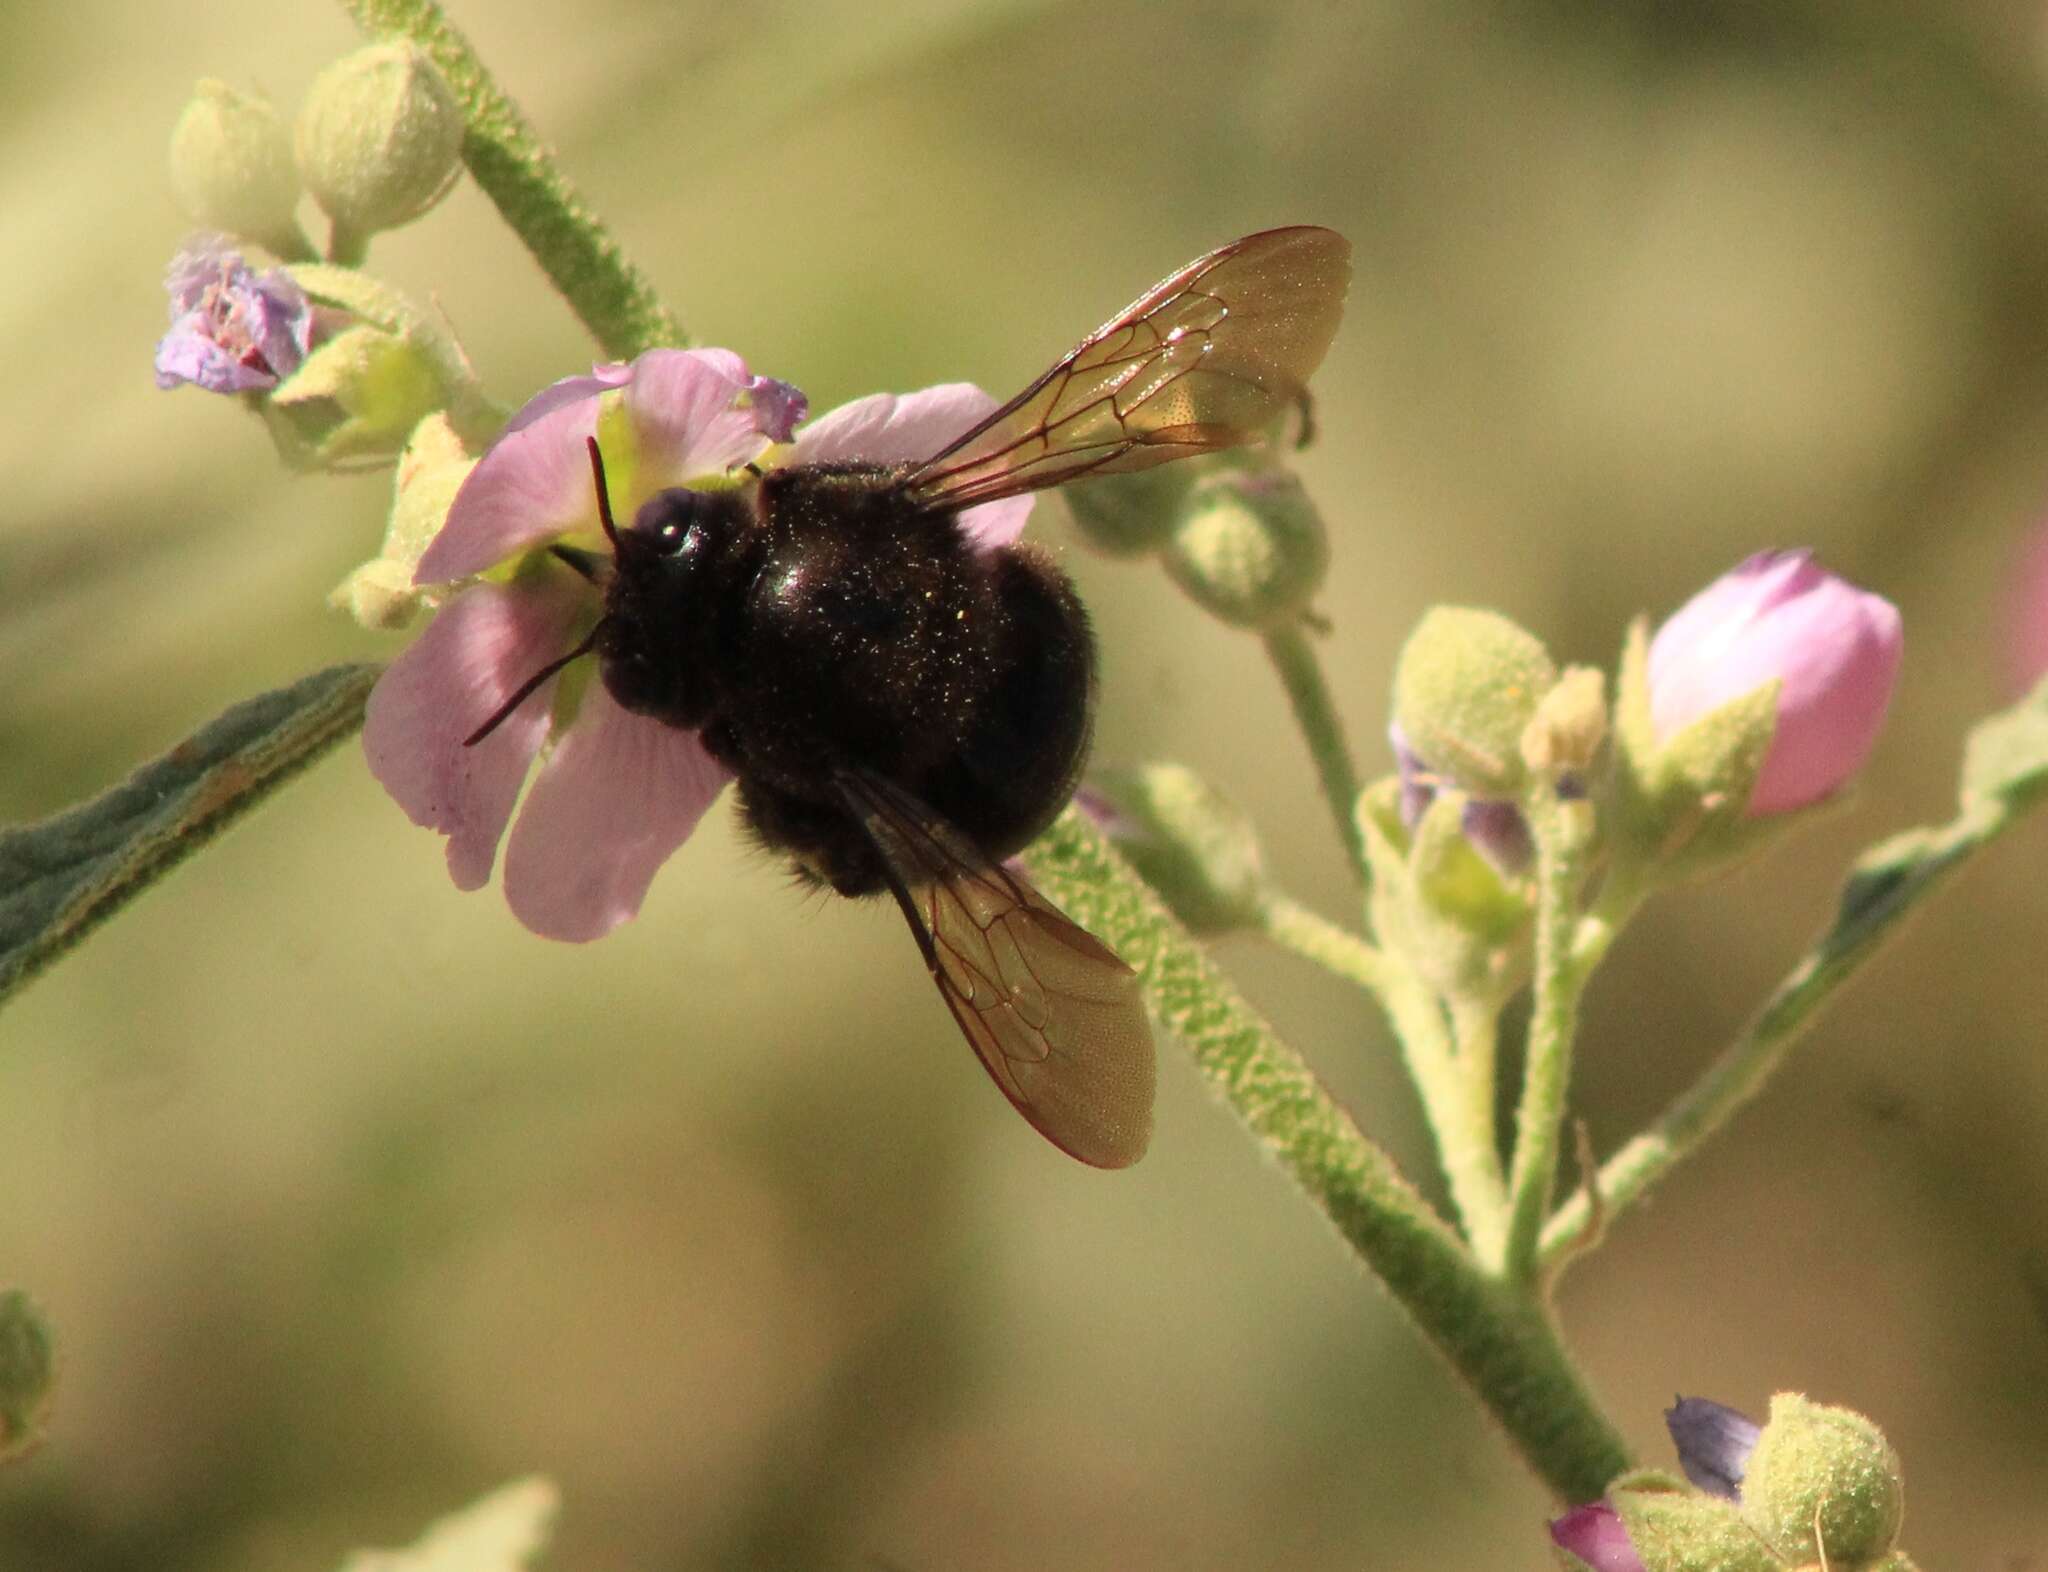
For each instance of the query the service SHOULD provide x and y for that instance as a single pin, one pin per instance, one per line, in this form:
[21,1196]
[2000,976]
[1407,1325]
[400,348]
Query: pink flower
[1596,1536]
[1835,647]
[2028,648]
[616,792]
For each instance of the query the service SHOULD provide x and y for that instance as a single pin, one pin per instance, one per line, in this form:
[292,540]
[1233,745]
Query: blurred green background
[350,1199]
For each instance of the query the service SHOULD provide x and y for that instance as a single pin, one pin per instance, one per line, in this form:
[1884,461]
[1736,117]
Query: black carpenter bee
[903,710]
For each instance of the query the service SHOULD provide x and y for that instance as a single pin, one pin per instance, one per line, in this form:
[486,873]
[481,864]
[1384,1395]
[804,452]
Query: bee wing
[1053,1015]
[1201,361]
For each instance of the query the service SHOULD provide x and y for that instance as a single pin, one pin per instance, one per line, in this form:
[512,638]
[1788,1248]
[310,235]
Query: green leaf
[60,877]
[2006,758]
[501,1533]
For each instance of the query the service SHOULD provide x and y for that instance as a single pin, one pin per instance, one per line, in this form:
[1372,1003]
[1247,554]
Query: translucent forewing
[1203,360]
[1050,1011]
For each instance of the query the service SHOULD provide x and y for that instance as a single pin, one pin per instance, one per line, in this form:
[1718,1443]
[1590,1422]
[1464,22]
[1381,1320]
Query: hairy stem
[1301,673]
[1496,1335]
[612,296]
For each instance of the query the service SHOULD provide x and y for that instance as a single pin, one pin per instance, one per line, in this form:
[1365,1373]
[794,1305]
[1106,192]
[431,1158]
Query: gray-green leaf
[60,877]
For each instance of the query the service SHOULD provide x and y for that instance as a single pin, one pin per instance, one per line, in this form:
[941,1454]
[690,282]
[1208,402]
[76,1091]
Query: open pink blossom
[617,792]
[1836,649]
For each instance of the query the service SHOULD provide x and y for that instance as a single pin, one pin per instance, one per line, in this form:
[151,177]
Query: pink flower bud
[1835,648]
[2027,654]
[1594,1534]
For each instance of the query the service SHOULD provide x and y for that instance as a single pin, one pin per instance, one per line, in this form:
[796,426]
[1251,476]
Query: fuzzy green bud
[1466,687]
[232,169]
[28,1367]
[379,138]
[1193,846]
[357,398]
[1826,1472]
[1129,515]
[1569,725]
[380,593]
[1249,547]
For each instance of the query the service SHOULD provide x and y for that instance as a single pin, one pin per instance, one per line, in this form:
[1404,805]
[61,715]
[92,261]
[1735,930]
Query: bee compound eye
[668,518]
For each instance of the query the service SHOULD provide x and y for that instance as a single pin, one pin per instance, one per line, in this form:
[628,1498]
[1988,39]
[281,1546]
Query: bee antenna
[604,499]
[526,689]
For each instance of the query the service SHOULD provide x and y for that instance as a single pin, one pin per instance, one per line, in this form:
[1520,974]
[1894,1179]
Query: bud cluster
[1754,704]
[376,144]
[1815,1486]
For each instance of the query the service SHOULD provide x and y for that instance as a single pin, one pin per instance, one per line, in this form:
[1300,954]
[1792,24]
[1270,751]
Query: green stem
[1452,1076]
[1301,673]
[1497,1336]
[1749,1062]
[1561,831]
[614,299]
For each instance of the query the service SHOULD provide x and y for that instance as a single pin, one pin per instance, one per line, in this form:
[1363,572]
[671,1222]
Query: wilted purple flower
[1596,1535]
[1835,647]
[232,330]
[618,791]
[1714,1443]
[1493,825]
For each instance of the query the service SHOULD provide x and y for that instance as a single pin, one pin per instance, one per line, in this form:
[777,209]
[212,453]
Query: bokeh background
[350,1199]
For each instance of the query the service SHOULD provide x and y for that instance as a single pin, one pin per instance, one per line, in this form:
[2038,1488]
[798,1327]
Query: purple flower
[1835,647]
[1714,1443]
[1493,825]
[1596,1536]
[617,792]
[232,330]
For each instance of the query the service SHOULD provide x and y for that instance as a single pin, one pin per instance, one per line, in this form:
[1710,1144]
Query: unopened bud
[1249,548]
[1465,690]
[231,166]
[1129,515]
[1823,1472]
[379,138]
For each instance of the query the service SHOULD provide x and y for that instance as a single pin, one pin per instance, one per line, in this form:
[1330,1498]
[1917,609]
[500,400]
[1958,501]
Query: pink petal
[1834,701]
[894,428]
[620,793]
[689,415]
[570,390]
[532,486]
[2027,648]
[907,428]
[472,657]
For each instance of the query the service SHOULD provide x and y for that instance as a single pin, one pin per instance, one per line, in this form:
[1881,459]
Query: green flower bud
[379,138]
[1197,849]
[357,398]
[1570,723]
[380,593]
[1129,515]
[1823,1471]
[28,1367]
[1672,1529]
[1249,547]
[231,167]
[1466,687]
